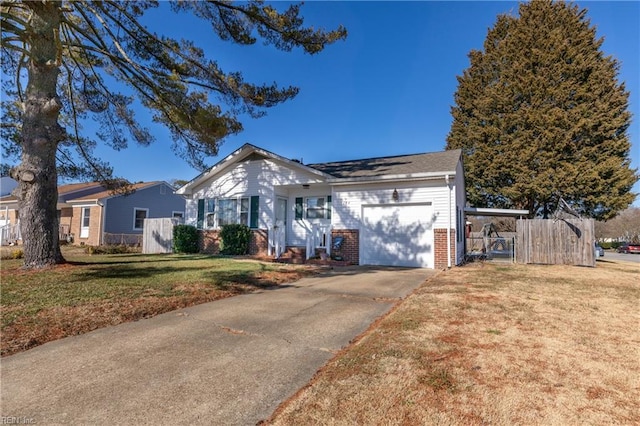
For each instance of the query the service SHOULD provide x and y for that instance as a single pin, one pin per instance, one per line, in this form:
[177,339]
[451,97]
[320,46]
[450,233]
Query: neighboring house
[402,211]
[90,214]
[6,186]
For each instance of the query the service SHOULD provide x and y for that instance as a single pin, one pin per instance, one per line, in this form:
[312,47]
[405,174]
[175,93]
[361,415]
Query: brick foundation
[350,249]
[259,244]
[440,245]
[209,242]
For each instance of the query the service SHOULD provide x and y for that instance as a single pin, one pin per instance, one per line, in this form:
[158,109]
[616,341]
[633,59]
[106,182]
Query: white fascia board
[392,178]
[11,205]
[84,203]
[485,211]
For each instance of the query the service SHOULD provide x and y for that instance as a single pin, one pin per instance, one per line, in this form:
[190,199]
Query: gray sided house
[119,219]
[89,214]
[403,210]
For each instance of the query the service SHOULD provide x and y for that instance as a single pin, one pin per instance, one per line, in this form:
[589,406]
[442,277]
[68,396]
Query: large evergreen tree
[62,60]
[540,114]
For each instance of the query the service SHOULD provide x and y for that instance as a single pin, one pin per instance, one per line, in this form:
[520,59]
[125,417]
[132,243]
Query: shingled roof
[415,164]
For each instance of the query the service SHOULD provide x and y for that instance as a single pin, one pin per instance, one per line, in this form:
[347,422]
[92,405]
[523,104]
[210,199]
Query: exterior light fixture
[395,195]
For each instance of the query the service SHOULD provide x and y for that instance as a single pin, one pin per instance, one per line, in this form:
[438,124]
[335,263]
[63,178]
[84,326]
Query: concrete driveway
[228,362]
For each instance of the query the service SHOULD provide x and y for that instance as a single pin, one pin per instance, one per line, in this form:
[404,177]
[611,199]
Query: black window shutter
[253,215]
[200,220]
[299,208]
[328,206]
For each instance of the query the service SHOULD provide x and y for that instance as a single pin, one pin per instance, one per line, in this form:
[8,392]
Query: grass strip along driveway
[91,292]
[491,344]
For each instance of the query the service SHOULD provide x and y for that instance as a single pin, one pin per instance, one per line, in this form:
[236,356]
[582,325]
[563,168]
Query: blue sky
[386,90]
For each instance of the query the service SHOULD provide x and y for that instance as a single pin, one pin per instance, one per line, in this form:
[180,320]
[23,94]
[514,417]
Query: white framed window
[86,217]
[318,208]
[227,211]
[210,216]
[139,215]
[85,222]
[244,211]
[215,213]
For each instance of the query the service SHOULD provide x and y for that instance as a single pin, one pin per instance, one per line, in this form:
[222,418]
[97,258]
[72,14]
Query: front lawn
[491,344]
[96,291]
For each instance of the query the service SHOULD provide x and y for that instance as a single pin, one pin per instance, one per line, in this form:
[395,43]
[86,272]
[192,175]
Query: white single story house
[405,210]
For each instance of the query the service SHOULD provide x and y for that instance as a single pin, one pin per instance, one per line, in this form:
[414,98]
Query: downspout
[101,225]
[448,181]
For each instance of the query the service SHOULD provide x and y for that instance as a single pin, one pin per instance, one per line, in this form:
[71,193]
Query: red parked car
[629,248]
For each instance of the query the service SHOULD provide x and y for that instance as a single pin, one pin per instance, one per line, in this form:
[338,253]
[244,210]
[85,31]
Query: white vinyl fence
[157,236]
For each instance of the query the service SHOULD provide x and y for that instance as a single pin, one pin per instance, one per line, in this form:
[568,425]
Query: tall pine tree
[63,58]
[540,114]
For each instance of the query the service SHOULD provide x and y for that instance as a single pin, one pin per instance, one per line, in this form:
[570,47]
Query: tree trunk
[37,177]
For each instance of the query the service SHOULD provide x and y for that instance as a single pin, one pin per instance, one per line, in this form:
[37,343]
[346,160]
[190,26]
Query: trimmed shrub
[110,249]
[235,239]
[185,239]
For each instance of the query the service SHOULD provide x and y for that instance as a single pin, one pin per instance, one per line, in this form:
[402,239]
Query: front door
[281,224]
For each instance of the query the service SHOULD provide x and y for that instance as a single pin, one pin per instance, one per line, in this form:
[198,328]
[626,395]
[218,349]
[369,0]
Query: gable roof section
[424,165]
[414,166]
[105,193]
[244,152]
[65,191]
[87,192]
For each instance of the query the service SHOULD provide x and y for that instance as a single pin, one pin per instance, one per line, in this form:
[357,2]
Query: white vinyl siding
[348,200]
[250,178]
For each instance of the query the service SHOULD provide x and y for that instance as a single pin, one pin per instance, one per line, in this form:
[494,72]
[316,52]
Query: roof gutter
[391,178]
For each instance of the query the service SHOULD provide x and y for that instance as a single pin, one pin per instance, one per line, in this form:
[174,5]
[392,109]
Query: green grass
[94,291]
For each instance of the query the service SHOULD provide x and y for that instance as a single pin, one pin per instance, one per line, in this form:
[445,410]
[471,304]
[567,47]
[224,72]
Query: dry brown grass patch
[486,343]
[91,292]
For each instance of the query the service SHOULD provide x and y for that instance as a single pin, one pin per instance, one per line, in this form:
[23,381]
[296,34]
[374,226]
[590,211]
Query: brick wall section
[75,220]
[440,246]
[259,244]
[13,216]
[209,242]
[350,250]
[95,218]
[66,216]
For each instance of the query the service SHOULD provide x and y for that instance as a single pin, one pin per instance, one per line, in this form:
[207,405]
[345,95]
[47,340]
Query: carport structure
[487,244]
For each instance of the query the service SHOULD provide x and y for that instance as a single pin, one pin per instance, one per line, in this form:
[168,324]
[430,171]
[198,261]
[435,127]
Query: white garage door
[397,235]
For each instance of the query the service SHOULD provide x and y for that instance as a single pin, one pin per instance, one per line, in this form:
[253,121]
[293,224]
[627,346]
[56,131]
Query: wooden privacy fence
[157,236]
[556,242]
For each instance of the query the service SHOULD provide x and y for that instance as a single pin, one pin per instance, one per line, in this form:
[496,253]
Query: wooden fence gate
[157,235]
[556,242]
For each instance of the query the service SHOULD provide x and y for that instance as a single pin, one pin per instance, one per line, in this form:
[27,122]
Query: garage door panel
[396,235]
